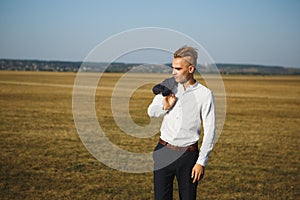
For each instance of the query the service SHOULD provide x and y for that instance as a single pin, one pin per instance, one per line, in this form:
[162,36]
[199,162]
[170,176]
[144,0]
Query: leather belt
[193,147]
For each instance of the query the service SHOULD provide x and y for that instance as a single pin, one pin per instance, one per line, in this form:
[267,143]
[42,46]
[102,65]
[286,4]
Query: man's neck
[189,82]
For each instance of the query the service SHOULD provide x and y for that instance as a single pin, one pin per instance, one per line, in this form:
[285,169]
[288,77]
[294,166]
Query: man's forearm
[156,108]
[209,126]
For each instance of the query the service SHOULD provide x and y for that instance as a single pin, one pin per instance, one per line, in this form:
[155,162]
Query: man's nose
[173,72]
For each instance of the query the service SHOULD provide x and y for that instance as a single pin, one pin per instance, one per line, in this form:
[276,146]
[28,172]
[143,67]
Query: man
[183,109]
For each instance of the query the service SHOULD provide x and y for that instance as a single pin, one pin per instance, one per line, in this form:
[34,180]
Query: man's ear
[191,69]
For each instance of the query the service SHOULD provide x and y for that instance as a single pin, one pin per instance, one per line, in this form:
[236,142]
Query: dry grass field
[42,157]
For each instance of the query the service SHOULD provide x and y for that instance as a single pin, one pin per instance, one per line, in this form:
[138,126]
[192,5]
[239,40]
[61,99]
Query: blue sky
[232,31]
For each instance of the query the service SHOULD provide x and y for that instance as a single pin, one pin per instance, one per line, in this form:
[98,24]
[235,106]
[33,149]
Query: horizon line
[127,62]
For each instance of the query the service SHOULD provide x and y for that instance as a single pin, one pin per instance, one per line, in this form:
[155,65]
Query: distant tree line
[38,65]
[69,66]
[256,69]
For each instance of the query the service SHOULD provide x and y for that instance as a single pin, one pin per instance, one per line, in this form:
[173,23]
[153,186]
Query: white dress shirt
[181,125]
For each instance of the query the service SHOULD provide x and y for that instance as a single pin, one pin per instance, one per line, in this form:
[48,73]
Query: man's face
[181,70]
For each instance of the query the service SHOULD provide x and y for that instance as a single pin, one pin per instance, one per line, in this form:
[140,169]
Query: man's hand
[197,172]
[169,101]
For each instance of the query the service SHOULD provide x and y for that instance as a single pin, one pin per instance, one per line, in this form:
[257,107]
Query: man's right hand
[169,101]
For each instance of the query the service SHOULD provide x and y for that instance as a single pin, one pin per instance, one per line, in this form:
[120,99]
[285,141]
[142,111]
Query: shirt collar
[190,87]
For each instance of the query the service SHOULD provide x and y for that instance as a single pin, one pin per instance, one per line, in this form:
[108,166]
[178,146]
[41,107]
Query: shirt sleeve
[209,126]
[155,109]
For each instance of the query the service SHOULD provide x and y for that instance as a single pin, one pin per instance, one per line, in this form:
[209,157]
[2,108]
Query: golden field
[42,156]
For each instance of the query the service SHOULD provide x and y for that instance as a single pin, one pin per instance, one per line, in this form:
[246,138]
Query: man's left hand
[197,172]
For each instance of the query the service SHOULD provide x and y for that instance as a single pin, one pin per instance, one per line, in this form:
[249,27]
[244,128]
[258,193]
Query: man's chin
[177,79]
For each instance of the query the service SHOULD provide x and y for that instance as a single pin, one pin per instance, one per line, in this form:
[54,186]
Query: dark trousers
[181,168]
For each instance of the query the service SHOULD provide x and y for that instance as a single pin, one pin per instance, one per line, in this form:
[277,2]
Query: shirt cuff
[201,161]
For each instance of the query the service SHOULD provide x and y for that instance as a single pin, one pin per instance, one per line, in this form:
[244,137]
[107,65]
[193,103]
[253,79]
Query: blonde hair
[189,54]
